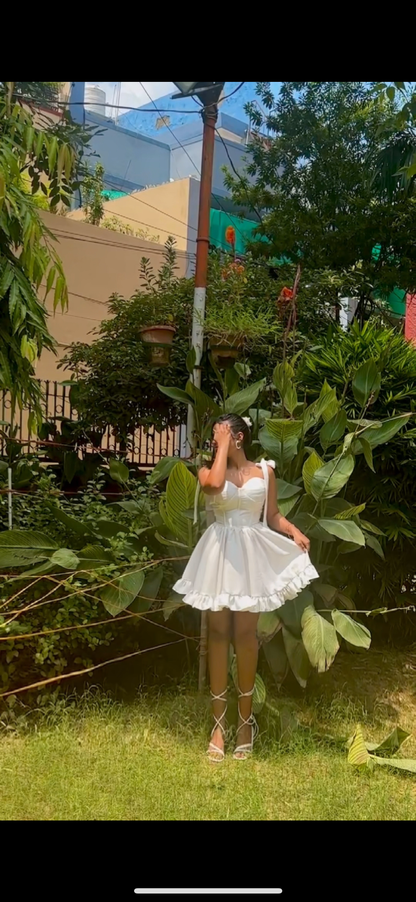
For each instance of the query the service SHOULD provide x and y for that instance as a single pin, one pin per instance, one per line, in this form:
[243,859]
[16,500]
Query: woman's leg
[219,635]
[247,650]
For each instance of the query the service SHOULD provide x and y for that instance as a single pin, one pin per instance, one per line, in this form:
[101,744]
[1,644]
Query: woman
[239,569]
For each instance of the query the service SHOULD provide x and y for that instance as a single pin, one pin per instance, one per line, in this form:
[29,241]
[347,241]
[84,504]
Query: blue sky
[132,93]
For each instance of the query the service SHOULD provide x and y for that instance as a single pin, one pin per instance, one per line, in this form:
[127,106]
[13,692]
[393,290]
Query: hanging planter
[225,350]
[159,339]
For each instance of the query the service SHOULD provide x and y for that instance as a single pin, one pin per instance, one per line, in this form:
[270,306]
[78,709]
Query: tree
[93,202]
[315,186]
[395,172]
[31,161]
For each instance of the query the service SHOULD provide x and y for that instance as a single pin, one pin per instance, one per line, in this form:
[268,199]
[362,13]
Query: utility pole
[209,93]
[209,117]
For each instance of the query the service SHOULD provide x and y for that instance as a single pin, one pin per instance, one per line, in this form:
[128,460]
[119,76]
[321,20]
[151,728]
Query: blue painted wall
[131,161]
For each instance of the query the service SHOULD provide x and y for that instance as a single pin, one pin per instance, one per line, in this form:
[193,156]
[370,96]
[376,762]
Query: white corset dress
[239,563]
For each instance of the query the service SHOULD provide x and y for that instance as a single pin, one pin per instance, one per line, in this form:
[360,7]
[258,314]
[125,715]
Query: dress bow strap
[265,464]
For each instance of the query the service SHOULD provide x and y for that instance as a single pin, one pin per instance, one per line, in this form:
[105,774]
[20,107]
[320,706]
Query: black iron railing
[147,446]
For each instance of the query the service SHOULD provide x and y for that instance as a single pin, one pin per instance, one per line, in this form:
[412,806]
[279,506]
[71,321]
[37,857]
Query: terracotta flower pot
[225,350]
[159,339]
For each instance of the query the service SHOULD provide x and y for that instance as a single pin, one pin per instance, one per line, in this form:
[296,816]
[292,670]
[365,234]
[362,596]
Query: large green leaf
[205,407]
[280,439]
[276,657]
[349,512]
[331,478]
[176,394]
[297,656]
[327,404]
[283,375]
[118,470]
[333,430]
[121,593]
[374,543]
[109,529]
[366,383]
[326,592]
[286,490]
[343,529]
[65,558]
[358,754]
[319,638]
[180,497]
[171,604]
[92,557]
[379,435]
[190,360]
[148,592]
[368,452]
[21,548]
[72,465]
[350,630]
[406,764]
[259,694]
[152,583]
[312,463]
[369,527]
[291,612]
[163,469]
[77,526]
[391,744]
[268,625]
[24,538]
[286,506]
[242,400]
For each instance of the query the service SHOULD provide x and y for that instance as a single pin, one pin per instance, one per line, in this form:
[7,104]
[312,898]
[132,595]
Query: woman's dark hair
[236,424]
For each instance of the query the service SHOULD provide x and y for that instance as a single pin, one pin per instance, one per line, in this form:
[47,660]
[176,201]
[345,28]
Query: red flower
[230,235]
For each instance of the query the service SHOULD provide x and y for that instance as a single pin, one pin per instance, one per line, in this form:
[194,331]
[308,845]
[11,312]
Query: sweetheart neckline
[239,487]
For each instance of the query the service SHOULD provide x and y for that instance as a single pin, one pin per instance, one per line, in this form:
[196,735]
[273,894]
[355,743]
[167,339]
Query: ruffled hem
[254,604]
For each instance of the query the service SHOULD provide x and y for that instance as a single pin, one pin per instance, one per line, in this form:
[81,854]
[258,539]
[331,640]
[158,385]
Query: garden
[101,664]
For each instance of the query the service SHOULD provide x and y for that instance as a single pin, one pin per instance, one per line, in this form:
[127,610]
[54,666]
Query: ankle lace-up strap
[217,720]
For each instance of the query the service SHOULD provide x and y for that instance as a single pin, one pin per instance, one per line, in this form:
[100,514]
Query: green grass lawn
[145,761]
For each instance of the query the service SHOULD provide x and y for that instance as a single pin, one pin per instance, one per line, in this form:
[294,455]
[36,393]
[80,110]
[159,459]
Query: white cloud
[132,93]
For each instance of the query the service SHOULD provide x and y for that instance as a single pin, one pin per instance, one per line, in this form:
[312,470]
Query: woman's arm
[276,521]
[213,480]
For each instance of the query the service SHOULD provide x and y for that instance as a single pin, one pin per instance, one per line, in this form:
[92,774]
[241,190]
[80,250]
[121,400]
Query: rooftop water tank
[95,99]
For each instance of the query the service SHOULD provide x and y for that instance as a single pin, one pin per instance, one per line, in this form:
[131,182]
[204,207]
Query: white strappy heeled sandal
[241,752]
[215,754]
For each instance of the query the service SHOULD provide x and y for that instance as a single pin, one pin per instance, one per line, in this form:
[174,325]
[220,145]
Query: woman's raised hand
[222,435]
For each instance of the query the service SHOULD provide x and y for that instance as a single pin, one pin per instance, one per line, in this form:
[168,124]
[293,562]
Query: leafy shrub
[389,490]
[60,594]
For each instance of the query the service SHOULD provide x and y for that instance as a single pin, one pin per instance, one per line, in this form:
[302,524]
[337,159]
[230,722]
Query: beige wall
[163,211]
[97,263]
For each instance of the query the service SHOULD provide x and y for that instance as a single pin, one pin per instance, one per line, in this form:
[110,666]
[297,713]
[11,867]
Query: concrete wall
[160,212]
[130,160]
[97,263]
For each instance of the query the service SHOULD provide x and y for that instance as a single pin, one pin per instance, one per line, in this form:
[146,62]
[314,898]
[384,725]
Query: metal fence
[148,445]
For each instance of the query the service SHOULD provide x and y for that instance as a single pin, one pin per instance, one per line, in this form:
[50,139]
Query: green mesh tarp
[113,195]
[220,222]
[244,228]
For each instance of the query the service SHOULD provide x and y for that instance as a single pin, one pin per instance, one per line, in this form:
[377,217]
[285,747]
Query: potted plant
[159,305]
[235,314]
